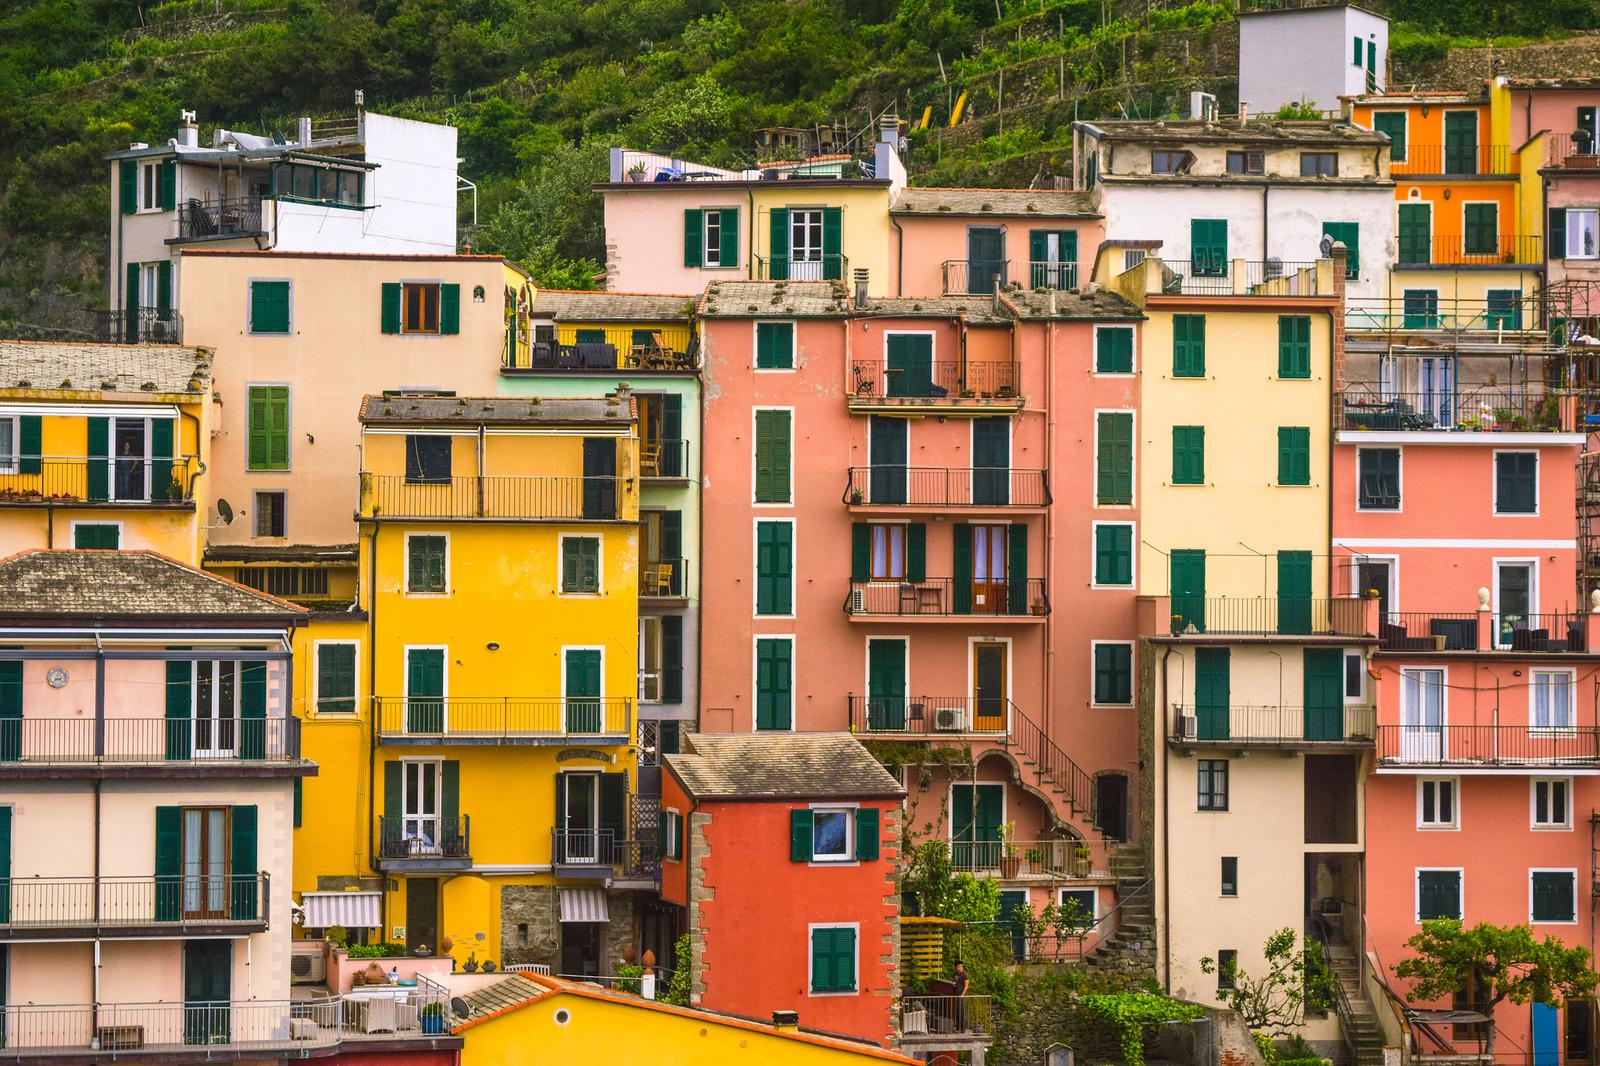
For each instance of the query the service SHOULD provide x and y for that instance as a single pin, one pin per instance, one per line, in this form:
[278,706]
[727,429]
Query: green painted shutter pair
[1294,346]
[1188,455]
[10,711]
[98,536]
[1113,554]
[1114,458]
[1415,233]
[1294,592]
[1516,476]
[30,444]
[975,820]
[833,959]
[1188,346]
[1438,894]
[425,563]
[1113,674]
[449,800]
[774,683]
[449,308]
[269,307]
[1187,568]
[772,456]
[1481,229]
[1503,309]
[425,690]
[1211,693]
[268,427]
[909,364]
[778,264]
[1294,455]
[1392,124]
[1556,233]
[1045,273]
[1016,569]
[695,253]
[886,683]
[162,488]
[1348,234]
[243,904]
[580,564]
[1208,247]
[1461,142]
[336,678]
[775,345]
[1113,350]
[1324,683]
[868,831]
[775,568]
[916,568]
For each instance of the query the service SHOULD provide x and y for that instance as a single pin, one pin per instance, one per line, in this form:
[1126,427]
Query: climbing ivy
[1130,1013]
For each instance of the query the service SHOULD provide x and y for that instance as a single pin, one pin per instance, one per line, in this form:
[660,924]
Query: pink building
[1565,111]
[899,501]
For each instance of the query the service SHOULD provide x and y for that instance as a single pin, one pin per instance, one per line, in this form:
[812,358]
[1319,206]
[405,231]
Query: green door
[1460,142]
[986,258]
[425,690]
[886,684]
[1294,592]
[1211,693]
[976,812]
[1188,584]
[1324,670]
[909,358]
[991,461]
[207,985]
[888,450]
[11,710]
[1416,234]
[1010,900]
[774,683]
[583,691]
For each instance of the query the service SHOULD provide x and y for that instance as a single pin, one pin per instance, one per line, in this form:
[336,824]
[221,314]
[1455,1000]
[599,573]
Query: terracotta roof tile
[780,765]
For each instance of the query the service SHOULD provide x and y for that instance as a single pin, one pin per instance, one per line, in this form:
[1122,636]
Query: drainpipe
[1050,326]
[1166,830]
[1266,191]
[372,725]
[899,256]
[99,747]
[198,440]
[750,256]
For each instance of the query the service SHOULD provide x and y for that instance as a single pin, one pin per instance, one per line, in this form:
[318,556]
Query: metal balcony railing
[979,277]
[934,1016]
[1429,311]
[1239,277]
[1258,726]
[659,350]
[1488,745]
[943,379]
[946,597]
[592,847]
[664,458]
[931,715]
[227,218]
[33,480]
[1520,408]
[424,838]
[253,1026]
[1501,249]
[818,267]
[147,325]
[35,742]
[577,498]
[1059,859]
[938,486]
[129,906]
[663,578]
[1428,631]
[430,719]
[1450,160]
[1543,632]
[1264,615]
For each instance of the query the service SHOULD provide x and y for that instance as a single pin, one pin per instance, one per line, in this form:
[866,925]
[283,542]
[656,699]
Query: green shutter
[860,552]
[693,237]
[99,472]
[268,429]
[1212,682]
[774,683]
[775,345]
[243,904]
[1323,673]
[169,863]
[253,710]
[1113,554]
[1349,234]
[169,184]
[672,658]
[1415,233]
[30,444]
[1017,569]
[1188,455]
[1294,455]
[800,835]
[1556,233]
[728,253]
[393,802]
[10,710]
[1188,346]
[1114,458]
[1294,592]
[772,456]
[1516,479]
[180,680]
[269,307]
[130,305]
[571,566]
[336,675]
[5,865]
[1113,352]
[961,582]
[1208,247]
[104,536]
[161,486]
[449,308]
[299,802]
[1113,674]
[778,245]
[1392,124]
[774,568]
[1480,229]
[1294,346]
[916,552]
[832,243]
[1438,894]
[1503,309]
[867,833]
[1188,587]
[128,186]
[391,307]
[450,796]
[164,288]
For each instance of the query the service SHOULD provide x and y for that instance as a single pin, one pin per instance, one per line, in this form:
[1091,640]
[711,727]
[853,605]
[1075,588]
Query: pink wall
[1481,691]
[925,243]
[650,259]
[1555,110]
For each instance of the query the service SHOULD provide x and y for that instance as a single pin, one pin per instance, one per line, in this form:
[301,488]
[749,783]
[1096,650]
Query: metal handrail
[901,485]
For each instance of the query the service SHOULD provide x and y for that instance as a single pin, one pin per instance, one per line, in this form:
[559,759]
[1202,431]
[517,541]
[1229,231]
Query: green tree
[1497,964]
[1274,1003]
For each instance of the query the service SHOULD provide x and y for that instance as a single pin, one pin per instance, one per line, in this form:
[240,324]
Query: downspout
[99,728]
[1166,830]
[199,463]
[750,256]
[700,531]
[899,256]
[372,725]
[1266,191]
[1050,327]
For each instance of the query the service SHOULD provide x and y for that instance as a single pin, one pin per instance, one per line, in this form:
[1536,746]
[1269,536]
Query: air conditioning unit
[949,720]
[858,601]
[1190,725]
[307,965]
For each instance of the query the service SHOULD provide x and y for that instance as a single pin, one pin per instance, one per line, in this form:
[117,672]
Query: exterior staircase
[1062,783]
[1130,951]
[1356,1016]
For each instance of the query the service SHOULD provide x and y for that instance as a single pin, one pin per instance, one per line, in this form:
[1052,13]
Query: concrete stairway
[1130,952]
[1355,1012]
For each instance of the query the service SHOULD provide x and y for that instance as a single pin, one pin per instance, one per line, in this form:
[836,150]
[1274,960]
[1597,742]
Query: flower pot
[433,1024]
[1010,865]
[1081,866]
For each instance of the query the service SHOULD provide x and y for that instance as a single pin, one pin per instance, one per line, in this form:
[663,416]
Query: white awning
[353,910]
[584,905]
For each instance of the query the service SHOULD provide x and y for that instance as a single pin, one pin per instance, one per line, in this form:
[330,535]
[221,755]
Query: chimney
[1244,111]
[861,288]
[786,1021]
[188,132]
[303,135]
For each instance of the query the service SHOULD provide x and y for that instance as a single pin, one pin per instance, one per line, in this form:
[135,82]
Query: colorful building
[1563,109]
[1310,55]
[818,814]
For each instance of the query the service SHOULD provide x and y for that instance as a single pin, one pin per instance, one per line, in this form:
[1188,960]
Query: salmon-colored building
[782,849]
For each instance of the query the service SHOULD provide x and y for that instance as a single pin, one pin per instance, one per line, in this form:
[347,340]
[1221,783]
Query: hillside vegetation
[540,89]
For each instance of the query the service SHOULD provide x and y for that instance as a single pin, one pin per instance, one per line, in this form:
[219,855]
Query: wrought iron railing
[548,496]
[28,741]
[978,277]
[1256,725]
[1543,631]
[32,479]
[1489,250]
[1427,310]
[402,837]
[665,350]
[873,380]
[1453,159]
[1265,615]
[434,719]
[818,267]
[1428,631]
[1239,277]
[946,597]
[146,325]
[1060,858]
[107,906]
[931,715]
[1518,408]
[922,1015]
[1488,745]
[939,486]
[664,458]
[596,847]
[1052,766]
[227,218]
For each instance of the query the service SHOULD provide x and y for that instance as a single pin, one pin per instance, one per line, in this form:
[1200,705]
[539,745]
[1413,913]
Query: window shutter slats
[800,835]
[30,444]
[391,307]
[867,833]
[1017,569]
[672,658]
[916,552]
[449,309]
[728,254]
[778,245]
[861,552]
[99,473]
[242,902]
[128,186]
[693,237]
[832,243]
[1114,483]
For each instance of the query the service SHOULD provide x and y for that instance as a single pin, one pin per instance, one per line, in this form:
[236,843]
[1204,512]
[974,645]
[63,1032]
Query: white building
[1238,201]
[1313,54]
[373,184]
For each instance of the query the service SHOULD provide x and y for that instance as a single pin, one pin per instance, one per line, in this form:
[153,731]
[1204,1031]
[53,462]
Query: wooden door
[988,569]
[1324,693]
[990,697]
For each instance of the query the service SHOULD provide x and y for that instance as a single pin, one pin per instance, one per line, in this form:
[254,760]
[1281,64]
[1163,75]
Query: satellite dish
[460,1007]
[224,511]
[1325,246]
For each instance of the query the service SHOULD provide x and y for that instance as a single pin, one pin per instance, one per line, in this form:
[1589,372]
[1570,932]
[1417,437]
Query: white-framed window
[1085,904]
[1553,896]
[1438,803]
[650,659]
[1355,676]
[1583,233]
[1550,695]
[672,828]
[833,831]
[888,551]
[711,239]
[1551,800]
[805,244]
[10,443]
[427,564]
[150,285]
[150,189]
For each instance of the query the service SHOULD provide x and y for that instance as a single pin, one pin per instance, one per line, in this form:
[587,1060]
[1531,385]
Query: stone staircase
[1130,952]
[1356,1015]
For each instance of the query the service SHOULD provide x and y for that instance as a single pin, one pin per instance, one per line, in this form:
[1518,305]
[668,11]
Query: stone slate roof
[63,367]
[979,309]
[126,584]
[490,410]
[273,553]
[775,299]
[1255,131]
[1100,304]
[564,306]
[1038,203]
[780,766]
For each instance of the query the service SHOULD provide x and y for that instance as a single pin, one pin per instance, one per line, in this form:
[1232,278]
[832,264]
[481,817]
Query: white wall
[1289,56]
[414,187]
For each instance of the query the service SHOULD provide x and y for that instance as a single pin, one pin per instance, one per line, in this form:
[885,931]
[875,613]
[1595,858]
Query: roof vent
[786,1020]
[861,287]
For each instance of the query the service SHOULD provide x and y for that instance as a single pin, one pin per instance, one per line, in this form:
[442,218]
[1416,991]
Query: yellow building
[103,446]
[570,1022]
[499,553]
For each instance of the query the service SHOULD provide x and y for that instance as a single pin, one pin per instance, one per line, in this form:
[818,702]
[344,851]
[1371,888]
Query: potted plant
[471,965]
[855,495]
[1082,864]
[636,172]
[433,1018]
[1035,857]
[1010,861]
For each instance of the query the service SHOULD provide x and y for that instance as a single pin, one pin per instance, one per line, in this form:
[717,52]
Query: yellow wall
[865,233]
[1240,500]
[331,840]
[674,335]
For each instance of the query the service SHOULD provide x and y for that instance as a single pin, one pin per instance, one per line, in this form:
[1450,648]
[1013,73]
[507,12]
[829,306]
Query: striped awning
[584,905]
[353,910]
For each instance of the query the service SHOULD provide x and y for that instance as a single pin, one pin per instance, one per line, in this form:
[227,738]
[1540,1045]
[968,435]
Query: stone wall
[699,848]
[539,908]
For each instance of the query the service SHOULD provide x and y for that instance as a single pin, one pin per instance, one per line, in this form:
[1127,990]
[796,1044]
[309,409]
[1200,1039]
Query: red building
[781,848]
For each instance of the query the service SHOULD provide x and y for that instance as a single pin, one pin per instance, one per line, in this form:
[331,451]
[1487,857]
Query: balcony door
[599,477]
[419,807]
[581,695]
[1416,233]
[991,461]
[207,988]
[888,446]
[990,690]
[1324,693]
[1211,693]
[976,813]
[886,683]
[805,244]
[1513,600]
[986,258]
[989,569]
[1460,142]
[130,469]
[205,862]
[216,710]
[1376,575]
[1436,388]
[579,818]
[424,690]
[1422,715]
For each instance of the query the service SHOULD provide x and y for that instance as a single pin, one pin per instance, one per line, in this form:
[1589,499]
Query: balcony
[931,716]
[1454,160]
[663,579]
[1428,311]
[1502,250]
[199,220]
[1059,859]
[592,853]
[1271,727]
[662,349]
[1488,746]
[664,460]
[44,908]
[1547,633]
[961,277]
[1268,616]
[1428,631]
[944,597]
[938,487]
[120,747]
[945,1023]
[147,325]
[424,843]
[542,498]
[1242,277]
[1523,408]
[507,720]
[984,385]
[817,267]
[34,481]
